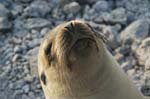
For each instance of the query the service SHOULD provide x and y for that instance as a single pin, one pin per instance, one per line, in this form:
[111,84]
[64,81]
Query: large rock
[137,31]
[143,51]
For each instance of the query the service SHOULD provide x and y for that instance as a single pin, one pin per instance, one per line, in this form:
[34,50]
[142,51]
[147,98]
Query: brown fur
[78,66]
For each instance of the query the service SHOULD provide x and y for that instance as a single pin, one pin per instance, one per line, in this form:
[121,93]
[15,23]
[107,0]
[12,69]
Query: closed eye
[48,52]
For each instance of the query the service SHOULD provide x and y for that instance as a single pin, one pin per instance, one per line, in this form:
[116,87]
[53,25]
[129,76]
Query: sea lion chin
[74,63]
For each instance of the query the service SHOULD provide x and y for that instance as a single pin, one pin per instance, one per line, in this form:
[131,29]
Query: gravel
[23,23]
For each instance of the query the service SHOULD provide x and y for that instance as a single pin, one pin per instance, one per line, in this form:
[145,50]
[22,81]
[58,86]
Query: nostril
[70,27]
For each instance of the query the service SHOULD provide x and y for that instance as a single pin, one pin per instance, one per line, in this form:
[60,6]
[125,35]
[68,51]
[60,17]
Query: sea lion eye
[48,49]
[48,52]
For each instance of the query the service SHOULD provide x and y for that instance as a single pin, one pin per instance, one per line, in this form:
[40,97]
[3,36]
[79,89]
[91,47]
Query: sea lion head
[68,59]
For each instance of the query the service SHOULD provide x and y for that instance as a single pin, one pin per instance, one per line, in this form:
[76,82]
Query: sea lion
[74,63]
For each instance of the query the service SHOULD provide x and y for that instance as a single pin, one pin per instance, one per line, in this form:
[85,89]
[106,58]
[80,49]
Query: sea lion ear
[98,34]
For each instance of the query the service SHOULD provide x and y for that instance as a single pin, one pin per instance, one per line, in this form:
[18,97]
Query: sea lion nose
[72,30]
[70,27]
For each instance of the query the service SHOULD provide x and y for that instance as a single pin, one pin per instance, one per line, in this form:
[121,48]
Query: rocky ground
[23,23]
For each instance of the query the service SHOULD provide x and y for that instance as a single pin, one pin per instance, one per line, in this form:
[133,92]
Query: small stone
[119,16]
[137,31]
[131,72]
[125,50]
[145,90]
[106,17]
[16,56]
[15,40]
[142,52]
[88,13]
[147,64]
[101,6]
[119,57]
[29,37]
[4,12]
[138,75]
[130,16]
[44,31]
[126,66]
[33,61]
[25,97]
[5,25]
[26,88]
[147,77]
[18,84]
[36,23]
[112,36]
[28,78]
[34,43]
[16,9]
[31,94]
[18,92]
[18,24]
[72,7]
[17,49]
[134,46]
[23,1]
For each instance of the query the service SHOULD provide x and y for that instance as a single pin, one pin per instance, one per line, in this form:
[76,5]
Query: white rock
[137,31]
[143,51]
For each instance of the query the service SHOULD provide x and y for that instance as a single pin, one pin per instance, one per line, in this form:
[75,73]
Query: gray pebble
[5,24]
[44,31]
[17,49]
[4,12]
[112,35]
[119,16]
[34,23]
[26,88]
[33,61]
[15,57]
[72,7]
[101,6]
[142,52]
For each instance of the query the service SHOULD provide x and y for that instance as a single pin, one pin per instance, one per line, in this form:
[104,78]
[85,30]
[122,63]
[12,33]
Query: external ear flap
[43,78]
[97,34]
